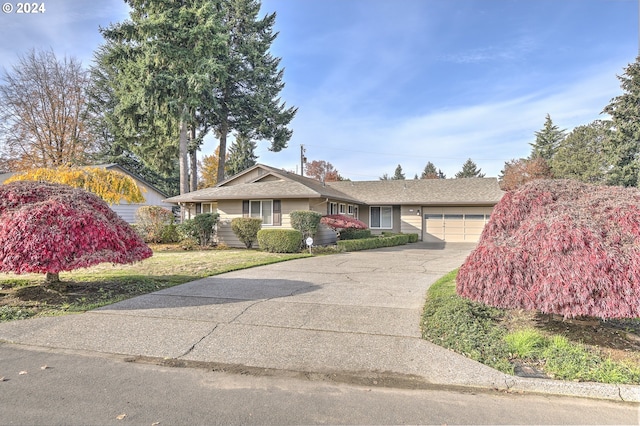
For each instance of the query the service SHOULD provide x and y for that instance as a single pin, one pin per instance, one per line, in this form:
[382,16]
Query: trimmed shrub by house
[155,224]
[560,247]
[354,234]
[279,240]
[201,229]
[306,222]
[375,242]
[246,229]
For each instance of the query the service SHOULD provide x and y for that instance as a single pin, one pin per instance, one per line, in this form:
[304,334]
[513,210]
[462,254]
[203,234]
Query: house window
[381,217]
[333,208]
[350,209]
[207,208]
[262,209]
[343,209]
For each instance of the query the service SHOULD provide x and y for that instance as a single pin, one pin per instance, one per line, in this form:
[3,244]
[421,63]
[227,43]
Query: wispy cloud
[365,147]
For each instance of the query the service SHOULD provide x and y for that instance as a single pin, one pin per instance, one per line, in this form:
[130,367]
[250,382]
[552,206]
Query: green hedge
[246,229]
[280,240]
[376,242]
[355,234]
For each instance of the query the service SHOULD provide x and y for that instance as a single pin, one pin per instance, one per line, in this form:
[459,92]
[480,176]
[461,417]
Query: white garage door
[454,224]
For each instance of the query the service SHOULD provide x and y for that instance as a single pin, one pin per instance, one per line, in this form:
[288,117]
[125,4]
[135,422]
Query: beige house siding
[247,177]
[231,209]
[228,210]
[411,220]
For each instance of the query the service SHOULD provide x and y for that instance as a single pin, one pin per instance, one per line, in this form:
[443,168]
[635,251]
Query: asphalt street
[53,387]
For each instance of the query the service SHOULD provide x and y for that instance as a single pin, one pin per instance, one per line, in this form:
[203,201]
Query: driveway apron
[355,314]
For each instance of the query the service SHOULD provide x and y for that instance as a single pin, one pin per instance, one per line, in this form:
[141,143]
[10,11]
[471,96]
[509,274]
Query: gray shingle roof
[291,186]
[416,192]
[424,191]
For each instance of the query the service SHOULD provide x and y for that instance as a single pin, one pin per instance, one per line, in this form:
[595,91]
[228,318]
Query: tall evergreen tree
[470,170]
[151,152]
[429,171]
[547,140]
[623,149]
[248,88]
[242,155]
[166,68]
[581,154]
[398,175]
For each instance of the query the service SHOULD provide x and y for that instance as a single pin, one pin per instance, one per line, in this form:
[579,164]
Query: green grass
[466,327]
[475,331]
[23,296]
[569,361]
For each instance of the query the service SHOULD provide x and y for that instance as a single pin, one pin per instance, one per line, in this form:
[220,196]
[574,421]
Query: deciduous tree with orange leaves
[322,171]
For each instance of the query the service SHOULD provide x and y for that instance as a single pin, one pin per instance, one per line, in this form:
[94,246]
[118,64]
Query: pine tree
[547,140]
[247,95]
[470,170]
[622,151]
[429,171]
[581,156]
[148,151]
[164,57]
[241,156]
[398,175]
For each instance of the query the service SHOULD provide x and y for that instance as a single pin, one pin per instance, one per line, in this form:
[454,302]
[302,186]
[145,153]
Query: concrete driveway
[352,317]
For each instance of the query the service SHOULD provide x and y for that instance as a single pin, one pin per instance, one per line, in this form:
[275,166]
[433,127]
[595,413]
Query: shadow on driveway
[215,291]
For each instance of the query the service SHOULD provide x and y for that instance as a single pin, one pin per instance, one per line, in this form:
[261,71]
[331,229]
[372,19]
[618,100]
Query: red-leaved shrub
[561,247]
[48,228]
[339,221]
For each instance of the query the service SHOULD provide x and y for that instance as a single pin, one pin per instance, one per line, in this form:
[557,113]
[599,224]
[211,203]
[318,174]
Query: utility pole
[303,159]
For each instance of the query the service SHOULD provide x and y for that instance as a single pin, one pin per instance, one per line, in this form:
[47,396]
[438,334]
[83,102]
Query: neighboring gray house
[153,196]
[449,210]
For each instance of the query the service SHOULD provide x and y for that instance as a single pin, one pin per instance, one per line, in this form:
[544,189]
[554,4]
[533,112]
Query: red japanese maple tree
[560,247]
[339,221]
[49,228]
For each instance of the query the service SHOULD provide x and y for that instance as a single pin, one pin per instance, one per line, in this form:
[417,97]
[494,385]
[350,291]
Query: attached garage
[454,224]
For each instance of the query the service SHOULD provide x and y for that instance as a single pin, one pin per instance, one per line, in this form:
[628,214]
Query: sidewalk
[353,316]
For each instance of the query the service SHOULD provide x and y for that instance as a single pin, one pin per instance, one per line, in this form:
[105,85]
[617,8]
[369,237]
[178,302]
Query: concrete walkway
[352,317]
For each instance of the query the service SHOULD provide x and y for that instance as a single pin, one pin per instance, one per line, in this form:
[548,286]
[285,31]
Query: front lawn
[531,344]
[23,296]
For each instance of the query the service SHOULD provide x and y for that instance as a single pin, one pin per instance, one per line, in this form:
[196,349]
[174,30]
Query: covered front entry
[454,224]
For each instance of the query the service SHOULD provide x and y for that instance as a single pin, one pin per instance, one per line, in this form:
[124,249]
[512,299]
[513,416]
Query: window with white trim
[350,209]
[207,208]
[343,208]
[333,208]
[262,209]
[381,217]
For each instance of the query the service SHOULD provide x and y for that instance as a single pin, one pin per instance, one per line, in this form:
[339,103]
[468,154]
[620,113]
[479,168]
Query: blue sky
[385,82]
